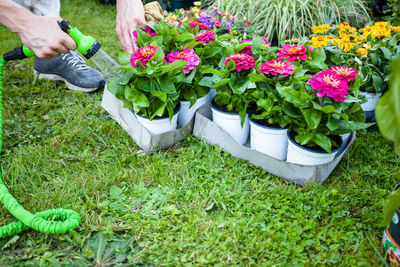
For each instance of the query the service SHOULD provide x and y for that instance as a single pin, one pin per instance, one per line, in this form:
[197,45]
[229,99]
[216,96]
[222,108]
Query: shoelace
[75,60]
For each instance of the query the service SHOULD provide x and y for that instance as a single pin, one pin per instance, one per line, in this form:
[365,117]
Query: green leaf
[159,111]
[387,111]
[116,89]
[390,206]
[141,100]
[318,58]
[323,141]
[386,52]
[124,58]
[173,66]
[254,77]
[313,117]
[377,83]
[238,84]
[125,78]
[189,78]
[158,56]
[160,95]
[290,94]
[325,109]
[206,81]
[185,37]
[240,47]
[221,82]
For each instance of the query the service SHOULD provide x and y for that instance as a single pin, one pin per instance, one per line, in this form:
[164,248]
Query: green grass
[189,205]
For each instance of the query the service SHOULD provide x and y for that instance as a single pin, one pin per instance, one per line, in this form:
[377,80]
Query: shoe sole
[55,77]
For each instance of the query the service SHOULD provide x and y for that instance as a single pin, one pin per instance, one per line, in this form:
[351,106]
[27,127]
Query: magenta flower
[328,83]
[202,26]
[147,30]
[276,67]
[266,41]
[247,49]
[345,73]
[187,55]
[206,37]
[242,61]
[292,52]
[143,55]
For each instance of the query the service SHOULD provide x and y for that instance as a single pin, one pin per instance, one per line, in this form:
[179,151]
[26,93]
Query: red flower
[202,26]
[247,49]
[242,61]
[345,73]
[292,52]
[143,55]
[275,67]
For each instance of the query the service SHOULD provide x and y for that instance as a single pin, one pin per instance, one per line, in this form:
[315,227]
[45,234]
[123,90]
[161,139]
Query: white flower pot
[186,113]
[159,125]
[268,140]
[213,92]
[345,138]
[372,99]
[301,155]
[230,123]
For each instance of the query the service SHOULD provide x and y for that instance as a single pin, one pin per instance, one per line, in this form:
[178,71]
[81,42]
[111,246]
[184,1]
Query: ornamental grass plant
[279,20]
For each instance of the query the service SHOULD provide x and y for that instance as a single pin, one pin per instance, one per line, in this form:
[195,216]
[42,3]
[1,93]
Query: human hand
[45,38]
[130,14]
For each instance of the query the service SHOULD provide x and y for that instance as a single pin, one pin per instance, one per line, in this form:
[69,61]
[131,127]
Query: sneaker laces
[73,59]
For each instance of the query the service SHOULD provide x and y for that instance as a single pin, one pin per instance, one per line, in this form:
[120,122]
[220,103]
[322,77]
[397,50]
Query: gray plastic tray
[146,141]
[206,129]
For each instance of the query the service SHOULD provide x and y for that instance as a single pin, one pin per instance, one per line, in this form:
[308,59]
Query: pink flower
[242,61]
[202,26]
[147,30]
[143,55]
[247,49]
[275,67]
[327,82]
[206,37]
[292,52]
[187,55]
[345,73]
[266,41]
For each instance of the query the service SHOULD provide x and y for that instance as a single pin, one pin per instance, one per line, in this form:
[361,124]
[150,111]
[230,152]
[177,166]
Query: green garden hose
[43,221]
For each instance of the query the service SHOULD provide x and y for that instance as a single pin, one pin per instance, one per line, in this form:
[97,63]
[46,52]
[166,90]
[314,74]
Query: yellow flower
[234,32]
[345,43]
[318,41]
[296,40]
[378,30]
[381,24]
[345,28]
[321,28]
[244,18]
[197,3]
[195,10]
[394,28]
[362,51]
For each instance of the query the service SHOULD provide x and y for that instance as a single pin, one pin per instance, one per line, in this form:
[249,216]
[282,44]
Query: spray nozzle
[87,45]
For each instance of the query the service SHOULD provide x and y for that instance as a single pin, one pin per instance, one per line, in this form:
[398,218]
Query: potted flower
[322,107]
[231,103]
[148,87]
[269,124]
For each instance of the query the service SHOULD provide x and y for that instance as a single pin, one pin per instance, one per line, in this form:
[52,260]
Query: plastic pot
[269,140]
[186,113]
[305,156]
[230,123]
[159,125]
[372,99]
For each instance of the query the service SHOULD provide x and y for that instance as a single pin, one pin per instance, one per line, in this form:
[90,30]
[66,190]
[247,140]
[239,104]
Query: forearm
[14,16]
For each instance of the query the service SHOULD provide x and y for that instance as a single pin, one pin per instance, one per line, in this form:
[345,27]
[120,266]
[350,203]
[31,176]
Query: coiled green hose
[38,221]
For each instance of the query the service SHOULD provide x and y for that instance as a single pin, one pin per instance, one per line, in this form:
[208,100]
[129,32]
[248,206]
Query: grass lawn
[189,205]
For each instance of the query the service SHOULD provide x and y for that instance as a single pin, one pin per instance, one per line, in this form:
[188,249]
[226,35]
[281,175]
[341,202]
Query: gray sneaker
[71,69]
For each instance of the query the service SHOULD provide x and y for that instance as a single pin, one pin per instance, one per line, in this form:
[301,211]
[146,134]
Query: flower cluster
[202,26]
[275,67]
[333,82]
[242,61]
[187,55]
[321,28]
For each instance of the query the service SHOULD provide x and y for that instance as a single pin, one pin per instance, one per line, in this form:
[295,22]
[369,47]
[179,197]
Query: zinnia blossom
[276,67]
[345,73]
[206,37]
[292,52]
[321,28]
[328,83]
[202,26]
[187,55]
[362,51]
[143,55]
[242,61]
[247,49]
